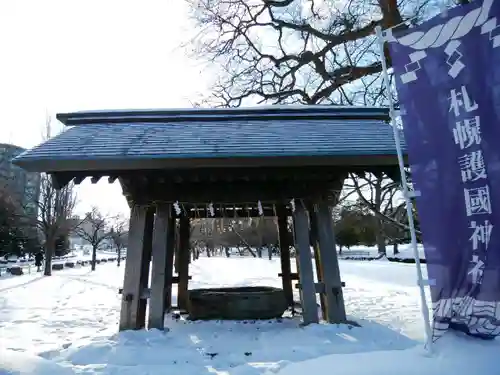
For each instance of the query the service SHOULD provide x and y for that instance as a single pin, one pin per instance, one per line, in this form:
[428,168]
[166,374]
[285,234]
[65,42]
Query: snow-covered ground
[67,324]
[405,251]
[28,264]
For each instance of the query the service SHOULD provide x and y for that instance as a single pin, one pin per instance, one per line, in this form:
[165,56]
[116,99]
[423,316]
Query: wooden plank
[202,212]
[169,265]
[265,191]
[129,314]
[317,261]
[146,264]
[223,175]
[175,279]
[284,240]
[307,290]
[184,258]
[158,273]
[331,275]
[293,275]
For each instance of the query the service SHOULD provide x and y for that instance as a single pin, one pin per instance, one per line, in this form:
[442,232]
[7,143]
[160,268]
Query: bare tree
[55,208]
[94,230]
[306,52]
[195,231]
[297,51]
[382,203]
[378,195]
[17,235]
[52,221]
[119,235]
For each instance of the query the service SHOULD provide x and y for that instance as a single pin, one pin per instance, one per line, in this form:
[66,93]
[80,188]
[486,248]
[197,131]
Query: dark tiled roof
[194,134]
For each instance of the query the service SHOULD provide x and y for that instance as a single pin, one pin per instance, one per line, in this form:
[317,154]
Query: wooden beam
[133,280]
[126,186]
[95,179]
[60,180]
[222,185]
[270,192]
[239,213]
[225,175]
[169,264]
[146,263]
[158,274]
[79,179]
[183,263]
[284,240]
[317,259]
[304,259]
[330,265]
[293,276]
[175,279]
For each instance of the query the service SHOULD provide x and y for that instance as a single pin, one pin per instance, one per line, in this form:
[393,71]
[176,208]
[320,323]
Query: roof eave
[118,164]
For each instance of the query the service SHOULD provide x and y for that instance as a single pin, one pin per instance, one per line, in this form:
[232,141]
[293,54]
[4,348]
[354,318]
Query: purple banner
[448,81]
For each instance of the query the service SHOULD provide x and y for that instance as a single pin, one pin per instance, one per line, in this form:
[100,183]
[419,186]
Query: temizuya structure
[272,161]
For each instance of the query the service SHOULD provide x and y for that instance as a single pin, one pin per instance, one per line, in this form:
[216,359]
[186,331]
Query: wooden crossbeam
[147,291]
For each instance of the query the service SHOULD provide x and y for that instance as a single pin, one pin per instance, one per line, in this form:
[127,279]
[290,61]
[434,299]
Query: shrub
[16,271]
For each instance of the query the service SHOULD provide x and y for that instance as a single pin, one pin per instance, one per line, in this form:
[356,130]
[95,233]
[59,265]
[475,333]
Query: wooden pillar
[133,309]
[176,248]
[146,264]
[330,264]
[182,291]
[284,238]
[304,259]
[169,265]
[161,252]
[317,260]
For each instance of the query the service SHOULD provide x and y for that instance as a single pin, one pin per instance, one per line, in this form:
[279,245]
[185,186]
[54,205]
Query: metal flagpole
[406,193]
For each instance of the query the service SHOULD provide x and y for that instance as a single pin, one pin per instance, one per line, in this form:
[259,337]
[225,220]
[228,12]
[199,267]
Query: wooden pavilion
[274,161]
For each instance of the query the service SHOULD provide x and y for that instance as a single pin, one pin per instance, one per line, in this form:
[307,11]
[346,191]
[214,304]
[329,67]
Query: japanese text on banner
[467,136]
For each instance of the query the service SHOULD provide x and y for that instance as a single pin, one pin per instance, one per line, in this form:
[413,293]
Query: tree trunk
[340,249]
[239,250]
[270,252]
[119,257]
[94,258]
[379,224]
[49,251]
[246,245]
[226,249]
[380,237]
[395,247]
[259,252]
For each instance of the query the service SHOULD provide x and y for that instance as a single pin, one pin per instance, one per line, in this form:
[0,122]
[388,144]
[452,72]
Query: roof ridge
[291,113]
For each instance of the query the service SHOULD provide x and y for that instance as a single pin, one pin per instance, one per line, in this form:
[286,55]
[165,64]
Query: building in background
[24,185]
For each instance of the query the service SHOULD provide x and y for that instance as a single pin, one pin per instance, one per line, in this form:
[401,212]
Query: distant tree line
[356,225]
[15,236]
[248,235]
[24,234]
